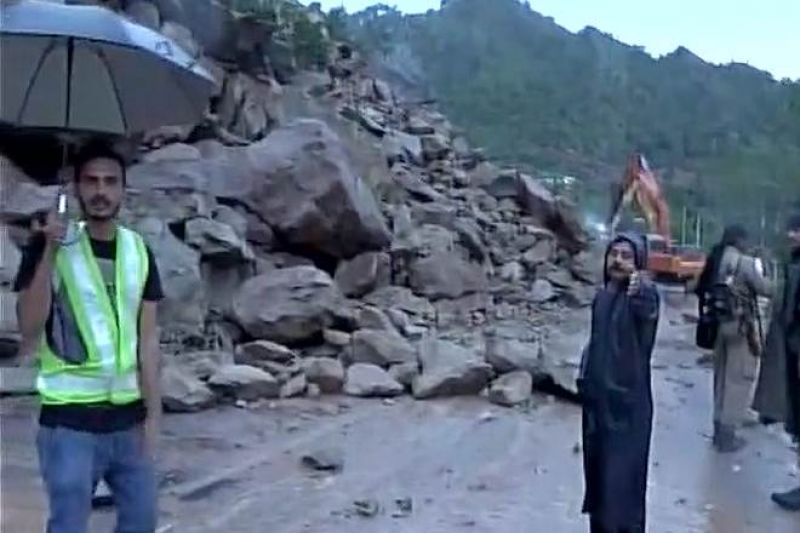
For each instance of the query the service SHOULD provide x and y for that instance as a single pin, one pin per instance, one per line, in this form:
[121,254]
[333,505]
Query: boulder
[235,219]
[556,214]
[259,232]
[381,347]
[511,389]
[446,275]
[405,373]
[256,352]
[182,391]
[541,252]
[245,382]
[301,182]
[185,301]
[171,10]
[449,370]
[302,302]
[294,387]
[363,274]
[558,276]
[325,373]
[249,108]
[370,121]
[402,147]
[505,185]
[337,338]
[483,175]
[144,13]
[508,355]
[542,291]
[173,152]
[22,198]
[512,272]
[217,242]
[418,126]
[400,298]
[369,317]
[182,36]
[203,363]
[435,147]
[367,380]
[413,184]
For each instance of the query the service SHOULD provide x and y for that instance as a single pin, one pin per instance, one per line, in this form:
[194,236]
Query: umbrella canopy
[86,68]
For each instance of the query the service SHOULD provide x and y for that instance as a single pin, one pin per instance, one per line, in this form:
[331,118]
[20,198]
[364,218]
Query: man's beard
[100,218]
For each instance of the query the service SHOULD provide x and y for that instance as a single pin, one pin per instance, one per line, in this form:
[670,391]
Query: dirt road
[437,466]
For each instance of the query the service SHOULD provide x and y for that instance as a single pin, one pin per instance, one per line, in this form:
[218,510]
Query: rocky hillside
[578,103]
[314,235]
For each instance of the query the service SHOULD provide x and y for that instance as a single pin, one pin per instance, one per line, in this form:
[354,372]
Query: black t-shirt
[95,418]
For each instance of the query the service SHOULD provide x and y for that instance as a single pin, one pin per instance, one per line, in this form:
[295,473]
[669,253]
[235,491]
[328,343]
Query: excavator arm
[639,184]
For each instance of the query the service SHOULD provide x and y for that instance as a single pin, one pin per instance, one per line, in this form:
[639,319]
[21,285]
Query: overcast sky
[762,33]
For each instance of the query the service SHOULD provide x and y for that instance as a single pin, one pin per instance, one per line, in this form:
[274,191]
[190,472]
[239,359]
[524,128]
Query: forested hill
[725,139]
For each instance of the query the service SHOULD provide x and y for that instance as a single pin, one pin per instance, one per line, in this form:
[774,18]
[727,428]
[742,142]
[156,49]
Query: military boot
[726,440]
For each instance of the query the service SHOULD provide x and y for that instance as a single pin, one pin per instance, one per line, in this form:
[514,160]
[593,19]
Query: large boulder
[249,108]
[256,352]
[185,304]
[364,273]
[446,275]
[217,242]
[381,347]
[300,180]
[22,197]
[511,389]
[324,372]
[402,299]
[556,214]
[245,383]
[144,13]
[367,380]
[202,363]
[508,355]
[287,305]
[183,37]
[403,147]
[449,370]
[183,392]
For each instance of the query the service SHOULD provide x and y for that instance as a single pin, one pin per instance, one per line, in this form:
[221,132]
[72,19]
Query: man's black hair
[97,150]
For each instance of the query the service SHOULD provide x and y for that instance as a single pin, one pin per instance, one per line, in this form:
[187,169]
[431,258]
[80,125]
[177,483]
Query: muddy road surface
[455,465]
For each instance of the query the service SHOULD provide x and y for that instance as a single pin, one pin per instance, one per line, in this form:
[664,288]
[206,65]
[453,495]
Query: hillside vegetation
[724,139]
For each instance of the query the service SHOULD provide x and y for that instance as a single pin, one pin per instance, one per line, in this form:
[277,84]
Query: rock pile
[287,274]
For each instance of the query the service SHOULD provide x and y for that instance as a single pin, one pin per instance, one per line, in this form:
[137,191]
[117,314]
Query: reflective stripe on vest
[111,339]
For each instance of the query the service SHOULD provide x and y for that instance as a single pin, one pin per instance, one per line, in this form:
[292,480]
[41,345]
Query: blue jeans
[71,464]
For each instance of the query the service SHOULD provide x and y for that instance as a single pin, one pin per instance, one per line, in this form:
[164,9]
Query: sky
[761,33]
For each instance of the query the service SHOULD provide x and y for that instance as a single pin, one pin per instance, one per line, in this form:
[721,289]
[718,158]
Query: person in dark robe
[616,392]
[778,392]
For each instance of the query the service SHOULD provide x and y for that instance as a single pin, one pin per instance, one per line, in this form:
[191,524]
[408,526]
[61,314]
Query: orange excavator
[666,261]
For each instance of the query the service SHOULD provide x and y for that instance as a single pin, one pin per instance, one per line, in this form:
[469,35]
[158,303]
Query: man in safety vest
[88,301]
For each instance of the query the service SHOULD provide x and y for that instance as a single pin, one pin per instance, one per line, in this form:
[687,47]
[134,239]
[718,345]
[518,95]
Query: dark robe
[777,396]
[616,394]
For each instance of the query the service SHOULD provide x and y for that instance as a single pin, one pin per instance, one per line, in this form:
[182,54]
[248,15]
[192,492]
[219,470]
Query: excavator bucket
[639,184]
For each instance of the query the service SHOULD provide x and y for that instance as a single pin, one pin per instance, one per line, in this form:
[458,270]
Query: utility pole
[683,227]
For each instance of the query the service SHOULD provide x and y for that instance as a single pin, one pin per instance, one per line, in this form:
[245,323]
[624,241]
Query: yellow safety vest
[109,373]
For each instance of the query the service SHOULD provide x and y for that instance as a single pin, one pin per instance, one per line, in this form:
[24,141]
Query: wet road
[464,464]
